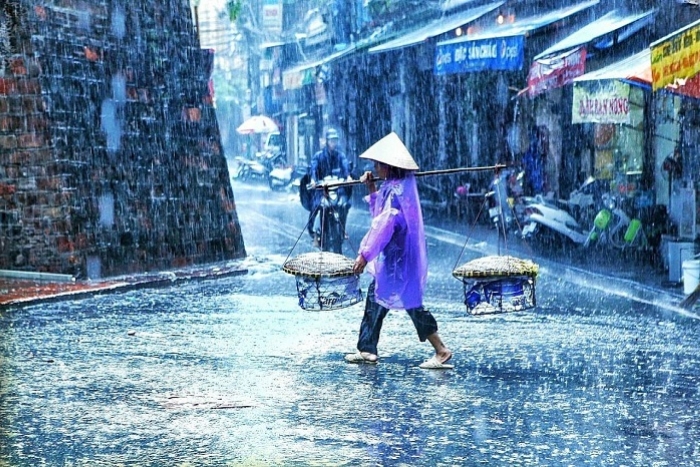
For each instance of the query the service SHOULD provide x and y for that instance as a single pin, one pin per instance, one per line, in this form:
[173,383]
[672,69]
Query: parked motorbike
[612,226]
[549,220]
[249,169]
[505,200]
[240,170]
[286,177]
[258,168]
[569,219]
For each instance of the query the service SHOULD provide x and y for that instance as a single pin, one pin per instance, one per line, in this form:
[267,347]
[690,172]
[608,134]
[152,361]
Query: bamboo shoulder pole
[333,185]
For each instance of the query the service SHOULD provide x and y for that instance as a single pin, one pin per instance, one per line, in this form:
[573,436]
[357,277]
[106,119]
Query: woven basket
[319,263]
[498,284]
[496,266]
[325,280]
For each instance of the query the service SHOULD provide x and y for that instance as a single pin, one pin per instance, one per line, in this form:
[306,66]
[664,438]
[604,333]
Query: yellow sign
[676,57]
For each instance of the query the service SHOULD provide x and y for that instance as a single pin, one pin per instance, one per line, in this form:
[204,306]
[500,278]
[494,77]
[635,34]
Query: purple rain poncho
[394,247]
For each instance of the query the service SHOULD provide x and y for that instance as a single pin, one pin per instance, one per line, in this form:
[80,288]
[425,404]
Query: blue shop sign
[495,53]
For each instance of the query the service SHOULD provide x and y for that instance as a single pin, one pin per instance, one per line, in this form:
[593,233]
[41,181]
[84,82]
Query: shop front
[617,112]
[493,62]
[675,78]
[553,71]
[648,104]
[637,138]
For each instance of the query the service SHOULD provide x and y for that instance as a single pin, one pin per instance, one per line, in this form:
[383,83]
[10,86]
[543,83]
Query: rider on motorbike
[329,161]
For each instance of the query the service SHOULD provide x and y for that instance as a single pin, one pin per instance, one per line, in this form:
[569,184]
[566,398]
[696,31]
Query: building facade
[110,153]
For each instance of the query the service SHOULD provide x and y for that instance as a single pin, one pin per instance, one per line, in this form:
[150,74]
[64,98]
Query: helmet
[331,133]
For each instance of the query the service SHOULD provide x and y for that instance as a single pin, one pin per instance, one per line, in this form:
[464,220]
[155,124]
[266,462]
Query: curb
[33,292]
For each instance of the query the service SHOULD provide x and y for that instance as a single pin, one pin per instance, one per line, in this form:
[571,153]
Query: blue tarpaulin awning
[436,28]
[613,22]
[497,48]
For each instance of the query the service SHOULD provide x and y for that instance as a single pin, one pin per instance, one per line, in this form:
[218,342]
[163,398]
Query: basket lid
[497,266]
[319,263]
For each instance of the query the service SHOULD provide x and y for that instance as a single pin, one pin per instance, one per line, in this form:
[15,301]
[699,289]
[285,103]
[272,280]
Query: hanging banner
[295,79]
[605,101]
[497,53]
[676,57]
[272,16]
[556,71]
[291,80]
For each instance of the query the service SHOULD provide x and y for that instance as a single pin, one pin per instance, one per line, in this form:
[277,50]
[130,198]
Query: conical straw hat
[390,150]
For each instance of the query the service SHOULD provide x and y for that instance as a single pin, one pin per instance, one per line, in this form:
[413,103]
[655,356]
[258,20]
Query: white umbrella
[257,124]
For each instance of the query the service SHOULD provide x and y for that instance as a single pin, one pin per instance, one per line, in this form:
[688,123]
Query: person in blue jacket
[329,161]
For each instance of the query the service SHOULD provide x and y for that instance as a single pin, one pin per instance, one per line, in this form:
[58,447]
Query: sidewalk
[15,292]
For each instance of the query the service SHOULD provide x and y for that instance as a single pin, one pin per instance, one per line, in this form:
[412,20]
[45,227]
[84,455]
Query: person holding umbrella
[395,253]
[253,128]
[257,124]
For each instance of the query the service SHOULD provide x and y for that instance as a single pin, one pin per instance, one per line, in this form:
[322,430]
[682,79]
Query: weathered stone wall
[110,153]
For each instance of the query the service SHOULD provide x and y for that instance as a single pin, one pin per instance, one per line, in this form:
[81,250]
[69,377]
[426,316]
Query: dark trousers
[373,318]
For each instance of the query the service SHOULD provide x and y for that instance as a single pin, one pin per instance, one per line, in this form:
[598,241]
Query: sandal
[359,358]
[435,364]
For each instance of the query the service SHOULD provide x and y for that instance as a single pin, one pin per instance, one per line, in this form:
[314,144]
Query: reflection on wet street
[233,372]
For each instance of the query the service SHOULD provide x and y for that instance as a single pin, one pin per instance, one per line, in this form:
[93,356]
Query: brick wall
[110,153]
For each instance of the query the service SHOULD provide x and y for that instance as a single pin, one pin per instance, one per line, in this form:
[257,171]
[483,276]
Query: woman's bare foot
[442,353]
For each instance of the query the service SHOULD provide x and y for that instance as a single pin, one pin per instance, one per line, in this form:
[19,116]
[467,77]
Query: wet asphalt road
[232,372]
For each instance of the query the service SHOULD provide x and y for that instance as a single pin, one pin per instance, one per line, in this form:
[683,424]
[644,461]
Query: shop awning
[436,28]
[524,26]
[270,44]
[555,70]
[498,48]
[638,70]
[671,64]
[635,69]
[623,26]
[298,76]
